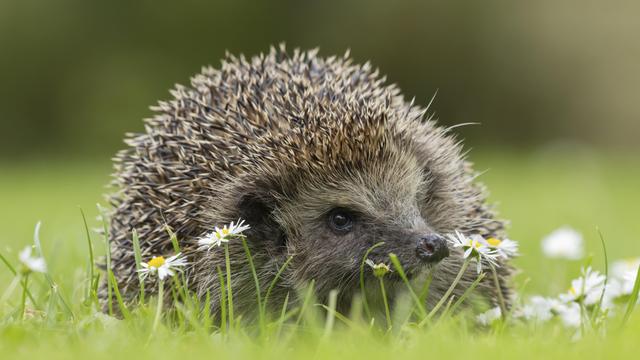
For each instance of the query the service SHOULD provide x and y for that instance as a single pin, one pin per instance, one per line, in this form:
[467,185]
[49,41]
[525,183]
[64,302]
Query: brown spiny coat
[281,140]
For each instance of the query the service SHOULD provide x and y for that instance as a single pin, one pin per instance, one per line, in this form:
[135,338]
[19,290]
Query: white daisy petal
[564,243]
[222,235]
[489,316]
[538,309]
[31,263]
[587,288]
[164,268]
[624,273]
[474,247]
[570,314]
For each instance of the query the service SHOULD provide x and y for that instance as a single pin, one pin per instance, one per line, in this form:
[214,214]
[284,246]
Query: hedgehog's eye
[341,220]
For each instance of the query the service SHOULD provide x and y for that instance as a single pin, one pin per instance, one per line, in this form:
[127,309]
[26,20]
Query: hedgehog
[323,158]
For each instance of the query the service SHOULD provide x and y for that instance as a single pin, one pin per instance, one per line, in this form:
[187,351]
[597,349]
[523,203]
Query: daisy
[615,290]
[506,248]
[539,308]
[622,268]
[219,236]
[569,314]
[163,267]
[32,263]
[628,283]
[587,288]
[380,269]
[489,316]
[474,247]
[564,243]
[624,273]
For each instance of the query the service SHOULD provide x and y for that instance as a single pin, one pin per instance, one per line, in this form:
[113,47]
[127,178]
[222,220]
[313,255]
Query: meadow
[537,191]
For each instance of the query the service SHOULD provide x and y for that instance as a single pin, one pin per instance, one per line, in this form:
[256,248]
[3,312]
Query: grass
[537,192]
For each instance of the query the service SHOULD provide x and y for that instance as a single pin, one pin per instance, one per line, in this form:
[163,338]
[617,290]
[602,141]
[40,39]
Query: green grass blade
[598,306]
[261,315]
[449,291]
[55,288]
[398,267]
[466,293]
[174,239]
[633,299]
[330,319]
[339,316]
[306,301]
[207,320]
[424,292]
[15,273]
[137,253]
[274,281]
[283,316]
[92,289]
[107,251]
[123,307]
[8,264]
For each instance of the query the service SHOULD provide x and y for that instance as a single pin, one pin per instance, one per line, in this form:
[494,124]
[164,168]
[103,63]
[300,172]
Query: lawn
[538,192]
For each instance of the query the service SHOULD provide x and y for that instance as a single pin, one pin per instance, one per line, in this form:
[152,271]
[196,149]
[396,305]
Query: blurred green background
[77,74]
[553,84]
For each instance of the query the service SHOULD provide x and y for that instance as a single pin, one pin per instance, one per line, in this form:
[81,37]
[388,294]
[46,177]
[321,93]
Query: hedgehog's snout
[431,248]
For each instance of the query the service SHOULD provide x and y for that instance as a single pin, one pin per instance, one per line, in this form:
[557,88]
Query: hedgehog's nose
[432,248]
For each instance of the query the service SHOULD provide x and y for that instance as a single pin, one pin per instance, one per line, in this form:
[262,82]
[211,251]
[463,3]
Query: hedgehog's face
[335,242]
[333,220]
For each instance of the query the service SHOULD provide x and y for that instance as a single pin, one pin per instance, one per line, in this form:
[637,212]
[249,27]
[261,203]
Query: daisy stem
[365,304]
[25,282]
[223,302]
[387,314]
[503,307]
[227,262]
[467,292]
[446,295]
[156,319]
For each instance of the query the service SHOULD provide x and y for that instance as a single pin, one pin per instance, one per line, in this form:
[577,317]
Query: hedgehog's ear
[257,211]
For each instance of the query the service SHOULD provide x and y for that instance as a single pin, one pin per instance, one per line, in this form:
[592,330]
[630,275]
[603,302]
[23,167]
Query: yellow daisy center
[156,262]
[225,231]
[494,242]
[572,290]
[380,270]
